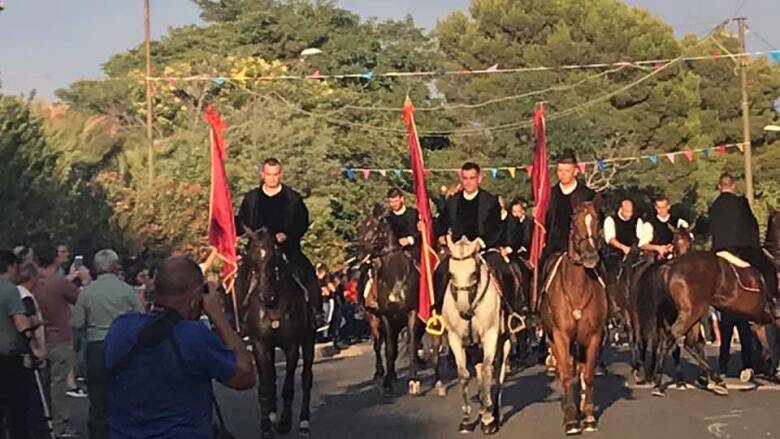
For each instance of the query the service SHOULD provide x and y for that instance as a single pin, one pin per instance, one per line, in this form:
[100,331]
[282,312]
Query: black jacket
[518,234]
[294,221]
[558,221]
[488,218]
[732,224]
[405,225]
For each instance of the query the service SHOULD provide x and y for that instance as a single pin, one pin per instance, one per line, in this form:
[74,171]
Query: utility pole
[748,150]
[149,131]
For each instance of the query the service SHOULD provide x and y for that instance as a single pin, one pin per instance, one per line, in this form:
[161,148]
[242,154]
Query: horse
[275,314]
[700,279]
[772,240]
[574,311]
[652,312]
[473,316]
[394,289]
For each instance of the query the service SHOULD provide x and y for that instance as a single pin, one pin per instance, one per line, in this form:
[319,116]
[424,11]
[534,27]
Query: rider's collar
[664,219]
[470,196]
[568,190]
[620,214]
[504,214]
[271,193]
[400,211]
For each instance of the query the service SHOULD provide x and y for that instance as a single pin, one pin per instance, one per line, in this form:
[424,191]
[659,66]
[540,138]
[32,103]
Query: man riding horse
[620,234]
[281,210]
[403,222]
[660,235]
[476,214]
[734,228]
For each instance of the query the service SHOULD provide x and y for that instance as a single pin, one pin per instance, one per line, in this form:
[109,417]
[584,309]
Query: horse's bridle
[474,299]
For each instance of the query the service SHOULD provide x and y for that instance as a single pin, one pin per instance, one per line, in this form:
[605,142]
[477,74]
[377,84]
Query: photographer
[15,333]
[161,363]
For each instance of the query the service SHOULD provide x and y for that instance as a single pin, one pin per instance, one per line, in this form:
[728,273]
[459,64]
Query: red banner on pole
[428,258]
[540,184]
[222,224]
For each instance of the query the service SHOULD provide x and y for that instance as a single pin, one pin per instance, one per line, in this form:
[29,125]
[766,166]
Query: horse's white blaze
[262,253]
[589,226]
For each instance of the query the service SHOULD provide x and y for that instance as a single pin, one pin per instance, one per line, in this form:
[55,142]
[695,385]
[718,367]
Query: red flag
[540,184]
[428,258]
[222,225]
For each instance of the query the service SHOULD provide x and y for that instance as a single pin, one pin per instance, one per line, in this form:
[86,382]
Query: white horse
[472,315]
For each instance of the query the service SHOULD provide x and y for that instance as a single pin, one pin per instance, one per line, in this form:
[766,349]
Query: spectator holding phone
[96,308]
[161,363]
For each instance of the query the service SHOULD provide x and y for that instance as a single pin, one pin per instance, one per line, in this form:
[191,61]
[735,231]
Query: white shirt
[610,232]
[646,233]
[470,196]
[271,193]
[568,190]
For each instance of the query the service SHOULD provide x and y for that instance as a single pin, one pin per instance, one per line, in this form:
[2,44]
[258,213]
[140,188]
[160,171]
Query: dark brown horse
[392,304]
[574,311]
[274,313]
[696,281]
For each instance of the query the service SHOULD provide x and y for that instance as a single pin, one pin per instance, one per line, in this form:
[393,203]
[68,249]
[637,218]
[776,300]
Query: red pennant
[366,173]
[583,166]
[315,74]
[721,149]
[714,53]
[529,169]
[688,154]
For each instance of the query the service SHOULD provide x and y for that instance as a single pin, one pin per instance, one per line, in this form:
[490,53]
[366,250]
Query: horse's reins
[474,298]
[576,313]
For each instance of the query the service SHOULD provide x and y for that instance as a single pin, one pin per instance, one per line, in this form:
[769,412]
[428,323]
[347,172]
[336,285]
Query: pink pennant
[583,166]
[670,156]
[315,74]
[366,173]
[529,169]
[688,154]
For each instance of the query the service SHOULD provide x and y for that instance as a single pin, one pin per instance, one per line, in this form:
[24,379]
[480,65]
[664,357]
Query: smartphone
[78,262]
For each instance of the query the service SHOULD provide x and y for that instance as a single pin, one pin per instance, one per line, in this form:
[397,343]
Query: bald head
[177,277]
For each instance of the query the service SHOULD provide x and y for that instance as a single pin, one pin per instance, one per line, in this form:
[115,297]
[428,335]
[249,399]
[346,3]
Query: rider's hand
[626,250]
[420,226]
[443,240]
[281,237]
[403,242]
[505,251]
[212,301]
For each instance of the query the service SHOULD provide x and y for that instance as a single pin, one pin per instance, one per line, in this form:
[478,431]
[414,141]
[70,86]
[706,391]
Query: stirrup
[434,326]
[516,323]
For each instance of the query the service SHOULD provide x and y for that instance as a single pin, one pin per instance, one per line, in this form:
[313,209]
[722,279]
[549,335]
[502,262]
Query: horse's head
[265,260]
[584,235]
[375,233]
[682,240]
[464,270]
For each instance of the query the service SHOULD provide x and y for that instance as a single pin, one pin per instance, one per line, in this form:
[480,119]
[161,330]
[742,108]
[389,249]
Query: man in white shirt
[659,236]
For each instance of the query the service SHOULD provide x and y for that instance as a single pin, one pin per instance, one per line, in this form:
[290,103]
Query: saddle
[748,278]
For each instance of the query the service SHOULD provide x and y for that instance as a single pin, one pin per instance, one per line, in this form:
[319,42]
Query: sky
[47,44]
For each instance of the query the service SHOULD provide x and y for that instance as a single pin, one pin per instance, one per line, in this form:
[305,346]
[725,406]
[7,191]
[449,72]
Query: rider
[621,234]
[474,213]
[734,228]
[282,211]
[518,231]
[563,198]
[403,222]
[659,236]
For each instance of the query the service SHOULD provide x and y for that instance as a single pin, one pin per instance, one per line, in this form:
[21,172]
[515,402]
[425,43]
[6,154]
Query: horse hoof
[415,388]
[551,372]
[589,424]
[746,375]
[466,427]
[441,389]
[719,389]
[572,428]
[659,392]
[490,428]
[304,429]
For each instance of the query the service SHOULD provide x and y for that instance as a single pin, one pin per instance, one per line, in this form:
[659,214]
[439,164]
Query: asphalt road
[348,405]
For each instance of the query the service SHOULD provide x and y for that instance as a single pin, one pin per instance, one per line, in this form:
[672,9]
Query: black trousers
[727,323]
[97,388]
[14,396]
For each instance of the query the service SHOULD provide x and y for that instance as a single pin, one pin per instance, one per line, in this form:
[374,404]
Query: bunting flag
[383,172]
[397,172]
[705,152]
[512,171]
[721,149]
[775,55]
[493,68]
[350,173]
[688,154]
[601,164]
[222,223]
[653,159]
[583,167]
[741,147]
[315,74]
[367,75]
[366,173]
[494,172]
[428,258]
[670,156]
[540,184]
[529,169]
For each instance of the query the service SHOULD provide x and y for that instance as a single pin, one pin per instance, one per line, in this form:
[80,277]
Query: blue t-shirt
[154,396]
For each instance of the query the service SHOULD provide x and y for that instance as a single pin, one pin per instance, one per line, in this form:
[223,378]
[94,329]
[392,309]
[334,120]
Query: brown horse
[696,281]
[574,311]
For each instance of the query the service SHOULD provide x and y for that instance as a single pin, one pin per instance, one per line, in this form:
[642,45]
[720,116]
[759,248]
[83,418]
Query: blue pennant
[705,152]
[367,75]
[218,81]
[775,55]
[397,172]
[493,172]
[601,164]
[350,173]
[654,159]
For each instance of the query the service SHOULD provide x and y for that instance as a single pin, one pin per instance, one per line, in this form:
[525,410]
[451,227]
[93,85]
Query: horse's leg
[459,353]
[307,380]
[488,378]
[587,381]
[414,381]
[686,320]
[561,342]
[376,334]
[391,352]
[292,353]
[695,347]
[265,390]
[436,343]
[505,351]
